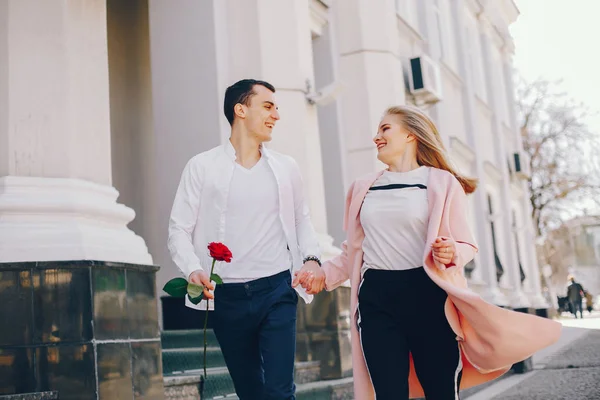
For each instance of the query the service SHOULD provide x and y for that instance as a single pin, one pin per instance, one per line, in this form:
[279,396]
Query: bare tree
[564,154]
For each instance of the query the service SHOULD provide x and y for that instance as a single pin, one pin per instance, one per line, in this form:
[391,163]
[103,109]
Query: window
[445,33]
[499,267]
[516,235]
[474,54]
[436,39]
[500,89]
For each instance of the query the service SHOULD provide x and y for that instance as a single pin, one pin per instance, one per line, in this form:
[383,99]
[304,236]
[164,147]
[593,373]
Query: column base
[323,333]
[86,329]
[538,301]
[518,299]
[495,296]
[58,219]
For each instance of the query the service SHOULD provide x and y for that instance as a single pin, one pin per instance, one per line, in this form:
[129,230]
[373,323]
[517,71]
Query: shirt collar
[230,150]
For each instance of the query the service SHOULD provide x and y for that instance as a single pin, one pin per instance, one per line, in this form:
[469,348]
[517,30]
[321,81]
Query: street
[570,369]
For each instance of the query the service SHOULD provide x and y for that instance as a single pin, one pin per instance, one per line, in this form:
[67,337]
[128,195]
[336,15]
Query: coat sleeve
[457,225]
[338,269]
[459,228]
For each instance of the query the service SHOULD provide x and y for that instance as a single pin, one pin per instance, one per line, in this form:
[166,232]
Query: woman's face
[393,140]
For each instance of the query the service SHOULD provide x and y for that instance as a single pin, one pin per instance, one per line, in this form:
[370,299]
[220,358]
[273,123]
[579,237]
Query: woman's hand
[443,249]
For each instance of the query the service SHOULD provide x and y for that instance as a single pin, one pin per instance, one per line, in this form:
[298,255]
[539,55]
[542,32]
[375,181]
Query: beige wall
[187,103]
[131,120]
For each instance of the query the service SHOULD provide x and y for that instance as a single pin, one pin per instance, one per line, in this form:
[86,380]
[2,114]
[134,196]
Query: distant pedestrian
[575,295]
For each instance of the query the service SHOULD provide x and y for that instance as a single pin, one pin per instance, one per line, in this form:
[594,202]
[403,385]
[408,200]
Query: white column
[517,297]
[483,233]
[367,36]
[271,40]
[56,198]
[528,253]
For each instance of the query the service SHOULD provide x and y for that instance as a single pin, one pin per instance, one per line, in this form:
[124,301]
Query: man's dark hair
[241,92]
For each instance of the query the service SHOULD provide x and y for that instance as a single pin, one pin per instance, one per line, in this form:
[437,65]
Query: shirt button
[247,286]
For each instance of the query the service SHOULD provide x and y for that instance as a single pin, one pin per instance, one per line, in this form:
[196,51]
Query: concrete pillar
[367,36]
[483,233]
[517,297]
[56,196]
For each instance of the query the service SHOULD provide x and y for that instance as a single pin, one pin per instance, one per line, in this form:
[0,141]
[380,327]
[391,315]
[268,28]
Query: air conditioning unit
[520,165]
[425,80]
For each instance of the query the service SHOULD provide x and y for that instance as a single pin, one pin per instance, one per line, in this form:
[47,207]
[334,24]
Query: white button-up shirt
[200,209]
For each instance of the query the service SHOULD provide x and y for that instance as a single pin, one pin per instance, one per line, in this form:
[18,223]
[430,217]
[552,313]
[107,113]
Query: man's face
[262,114]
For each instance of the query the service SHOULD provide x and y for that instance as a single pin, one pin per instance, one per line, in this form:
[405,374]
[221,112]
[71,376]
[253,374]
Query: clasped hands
[311,277]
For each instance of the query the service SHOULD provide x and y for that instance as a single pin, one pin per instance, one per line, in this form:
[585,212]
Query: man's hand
[311,277]
[443,249]
[200,277]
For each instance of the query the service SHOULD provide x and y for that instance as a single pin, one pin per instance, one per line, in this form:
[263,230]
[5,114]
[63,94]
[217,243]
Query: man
[250,199]
[575,295]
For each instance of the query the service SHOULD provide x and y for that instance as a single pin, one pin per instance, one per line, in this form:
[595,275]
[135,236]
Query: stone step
[192,358]
[183,386]
[188,338]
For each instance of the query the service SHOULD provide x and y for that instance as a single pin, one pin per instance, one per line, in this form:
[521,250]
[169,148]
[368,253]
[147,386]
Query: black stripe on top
[398,186]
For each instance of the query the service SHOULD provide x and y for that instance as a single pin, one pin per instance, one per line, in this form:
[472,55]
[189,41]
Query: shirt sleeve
[183,220]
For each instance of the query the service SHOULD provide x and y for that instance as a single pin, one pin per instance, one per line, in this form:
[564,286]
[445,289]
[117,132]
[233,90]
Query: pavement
[567,370]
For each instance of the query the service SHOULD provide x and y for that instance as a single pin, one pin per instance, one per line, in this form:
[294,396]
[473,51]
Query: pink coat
[491,338]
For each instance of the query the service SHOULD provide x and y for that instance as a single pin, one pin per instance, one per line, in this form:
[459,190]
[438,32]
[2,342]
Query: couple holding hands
[407,240]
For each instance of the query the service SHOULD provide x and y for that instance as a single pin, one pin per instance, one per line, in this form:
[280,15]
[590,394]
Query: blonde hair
[430,149]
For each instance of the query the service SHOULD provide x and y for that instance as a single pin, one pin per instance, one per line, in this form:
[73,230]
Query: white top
[199,211]
[253,230]
[394,216]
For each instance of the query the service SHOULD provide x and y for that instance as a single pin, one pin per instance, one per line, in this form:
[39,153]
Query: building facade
[103,98]
[103,102]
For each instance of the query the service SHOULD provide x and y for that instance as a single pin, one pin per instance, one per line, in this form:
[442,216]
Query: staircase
[182,358]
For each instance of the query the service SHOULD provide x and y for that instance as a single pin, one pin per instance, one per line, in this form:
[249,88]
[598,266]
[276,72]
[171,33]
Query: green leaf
[194,290]
[195,300]
[176,287]
[217,279]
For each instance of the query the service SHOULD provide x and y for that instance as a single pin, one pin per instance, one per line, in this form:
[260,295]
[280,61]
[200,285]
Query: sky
[560,39]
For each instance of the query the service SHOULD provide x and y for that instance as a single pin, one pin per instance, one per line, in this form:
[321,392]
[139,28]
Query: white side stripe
[360,339]
[458,370]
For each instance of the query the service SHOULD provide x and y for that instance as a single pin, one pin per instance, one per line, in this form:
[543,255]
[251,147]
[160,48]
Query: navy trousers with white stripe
[255,324]
[402,312]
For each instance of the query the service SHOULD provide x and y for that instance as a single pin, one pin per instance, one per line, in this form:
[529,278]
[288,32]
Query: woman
[407,243]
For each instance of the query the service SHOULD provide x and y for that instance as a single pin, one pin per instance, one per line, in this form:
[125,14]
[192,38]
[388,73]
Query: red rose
[219,252]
